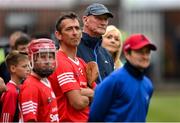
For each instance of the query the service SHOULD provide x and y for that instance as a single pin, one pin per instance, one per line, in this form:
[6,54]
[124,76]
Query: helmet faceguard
[42,53]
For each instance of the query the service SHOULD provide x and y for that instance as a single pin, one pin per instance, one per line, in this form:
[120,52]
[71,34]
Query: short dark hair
[38,35]
[70,15]
[22,40]
[13,58]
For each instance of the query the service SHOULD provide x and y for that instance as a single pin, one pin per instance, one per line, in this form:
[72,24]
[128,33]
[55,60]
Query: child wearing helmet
[37,99]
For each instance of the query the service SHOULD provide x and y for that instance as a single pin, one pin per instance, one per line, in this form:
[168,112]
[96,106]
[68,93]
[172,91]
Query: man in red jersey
[18,67]
[37,99]
[69,80]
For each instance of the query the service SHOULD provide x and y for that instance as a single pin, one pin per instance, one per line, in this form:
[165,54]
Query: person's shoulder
[10,86]
[106,55]
[30,84]
[117,78]
[62,59]
[60,55]
[11,90]
[147,84]
[114,80]
[82,45]
[105,52]
[29,81]
[84,40]
[118,74]
[114,76]
[147,80]
[64,65]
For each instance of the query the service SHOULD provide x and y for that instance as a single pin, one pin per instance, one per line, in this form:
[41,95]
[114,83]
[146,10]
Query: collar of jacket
[91,42]
[134,71]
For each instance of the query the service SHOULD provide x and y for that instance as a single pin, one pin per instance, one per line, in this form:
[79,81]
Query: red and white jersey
[38,101]
[69,75]
[9,102]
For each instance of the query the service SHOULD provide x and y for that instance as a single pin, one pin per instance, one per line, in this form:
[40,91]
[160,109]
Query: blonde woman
[112,41]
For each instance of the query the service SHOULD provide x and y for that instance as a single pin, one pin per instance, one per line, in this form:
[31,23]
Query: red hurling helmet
[42,54]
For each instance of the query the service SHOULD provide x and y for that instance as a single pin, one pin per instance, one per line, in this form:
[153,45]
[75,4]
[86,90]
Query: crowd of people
[84,80]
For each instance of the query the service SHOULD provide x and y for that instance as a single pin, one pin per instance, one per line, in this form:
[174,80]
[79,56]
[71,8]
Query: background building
[158,19]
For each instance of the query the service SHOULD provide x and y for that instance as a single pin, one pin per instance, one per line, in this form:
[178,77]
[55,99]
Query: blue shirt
[123,96]
[90,49]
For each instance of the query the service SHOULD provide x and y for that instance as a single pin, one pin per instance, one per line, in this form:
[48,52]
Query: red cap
[137,41]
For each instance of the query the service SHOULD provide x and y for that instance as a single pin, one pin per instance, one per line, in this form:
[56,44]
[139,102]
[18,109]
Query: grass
[164,108]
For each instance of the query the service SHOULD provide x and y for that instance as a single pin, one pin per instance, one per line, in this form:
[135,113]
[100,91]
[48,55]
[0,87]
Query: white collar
[46,82]
[12,82]
[76,61]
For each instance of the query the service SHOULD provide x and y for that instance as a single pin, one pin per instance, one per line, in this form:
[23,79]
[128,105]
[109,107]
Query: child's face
[22,69]
[45,60]
[44,63]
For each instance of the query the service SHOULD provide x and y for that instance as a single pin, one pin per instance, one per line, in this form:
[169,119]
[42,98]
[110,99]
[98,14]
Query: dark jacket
[4,73]
[90,50]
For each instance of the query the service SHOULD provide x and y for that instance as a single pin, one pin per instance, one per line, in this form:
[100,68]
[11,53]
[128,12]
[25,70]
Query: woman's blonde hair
[116,57]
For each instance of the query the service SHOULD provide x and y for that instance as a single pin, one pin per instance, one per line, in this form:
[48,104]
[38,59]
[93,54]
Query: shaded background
[158,19]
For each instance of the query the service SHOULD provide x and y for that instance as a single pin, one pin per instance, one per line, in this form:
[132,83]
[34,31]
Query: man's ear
[84,19]
[126,54]
[58,35]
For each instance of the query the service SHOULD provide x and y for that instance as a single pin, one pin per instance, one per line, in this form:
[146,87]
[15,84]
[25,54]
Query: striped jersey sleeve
[29,107]
[66,77]
[29,103]
[9,103]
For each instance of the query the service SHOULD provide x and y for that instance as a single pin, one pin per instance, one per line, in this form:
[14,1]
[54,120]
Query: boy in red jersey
[37,99]
[18,66]
[69,80]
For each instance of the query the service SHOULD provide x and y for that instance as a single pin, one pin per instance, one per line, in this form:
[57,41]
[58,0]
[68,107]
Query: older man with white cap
[124,96]
[95,20]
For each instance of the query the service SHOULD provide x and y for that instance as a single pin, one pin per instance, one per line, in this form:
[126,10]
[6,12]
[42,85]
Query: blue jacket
[90,50]
[123,96]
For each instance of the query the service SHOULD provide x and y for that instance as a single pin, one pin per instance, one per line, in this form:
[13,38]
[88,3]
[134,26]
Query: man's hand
[92,72]
[87,92]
